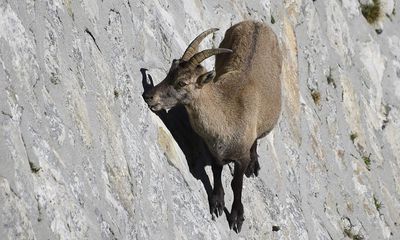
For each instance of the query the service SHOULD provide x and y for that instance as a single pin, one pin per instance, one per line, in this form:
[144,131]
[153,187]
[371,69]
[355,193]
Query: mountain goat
[231,107]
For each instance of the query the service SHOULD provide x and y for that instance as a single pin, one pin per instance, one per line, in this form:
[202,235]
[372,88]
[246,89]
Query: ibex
[231,107]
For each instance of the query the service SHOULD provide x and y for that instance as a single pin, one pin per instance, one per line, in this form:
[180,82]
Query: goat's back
[255,67]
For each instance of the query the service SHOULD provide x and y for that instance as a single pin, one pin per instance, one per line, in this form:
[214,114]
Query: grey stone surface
[82,157]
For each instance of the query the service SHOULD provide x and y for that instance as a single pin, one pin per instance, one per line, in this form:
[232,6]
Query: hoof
[253,169]
[217,205]
[236,219]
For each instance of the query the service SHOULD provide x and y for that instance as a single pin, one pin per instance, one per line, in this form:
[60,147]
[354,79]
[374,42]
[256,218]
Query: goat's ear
[205,78]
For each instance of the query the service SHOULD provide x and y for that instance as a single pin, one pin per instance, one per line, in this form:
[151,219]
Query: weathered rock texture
[82,157]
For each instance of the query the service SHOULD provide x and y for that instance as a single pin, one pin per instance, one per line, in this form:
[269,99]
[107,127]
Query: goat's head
[185,78]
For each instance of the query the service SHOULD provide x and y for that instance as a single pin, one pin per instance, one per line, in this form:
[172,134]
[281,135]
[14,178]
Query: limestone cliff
[82,157]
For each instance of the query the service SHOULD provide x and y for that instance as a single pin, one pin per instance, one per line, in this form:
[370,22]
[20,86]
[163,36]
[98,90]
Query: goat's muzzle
[151,100]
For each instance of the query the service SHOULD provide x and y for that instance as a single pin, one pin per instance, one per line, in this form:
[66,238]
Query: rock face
[82,157]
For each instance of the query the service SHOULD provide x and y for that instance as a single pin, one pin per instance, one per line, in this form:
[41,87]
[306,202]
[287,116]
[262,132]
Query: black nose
[148,96]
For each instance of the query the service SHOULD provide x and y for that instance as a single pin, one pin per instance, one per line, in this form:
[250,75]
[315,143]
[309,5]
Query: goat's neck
[209,113]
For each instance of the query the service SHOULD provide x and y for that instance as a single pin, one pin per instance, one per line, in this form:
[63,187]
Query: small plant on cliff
[378,204]
[367,161]
[372,12]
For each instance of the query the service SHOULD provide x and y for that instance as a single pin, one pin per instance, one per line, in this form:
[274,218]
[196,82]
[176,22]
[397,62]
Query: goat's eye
[181,84]
[175,62]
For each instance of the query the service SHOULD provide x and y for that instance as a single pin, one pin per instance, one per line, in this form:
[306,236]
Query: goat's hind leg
[254,165]
[216,200]
[236,217]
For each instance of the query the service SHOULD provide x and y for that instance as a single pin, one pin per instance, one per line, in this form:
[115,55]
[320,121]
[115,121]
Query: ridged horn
[201,56]
[194,45]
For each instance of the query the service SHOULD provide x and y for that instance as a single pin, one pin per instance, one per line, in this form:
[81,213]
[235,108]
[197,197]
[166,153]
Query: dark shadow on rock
[177,121]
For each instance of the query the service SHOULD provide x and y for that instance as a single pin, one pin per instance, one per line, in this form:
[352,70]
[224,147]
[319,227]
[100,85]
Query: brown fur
[245,101]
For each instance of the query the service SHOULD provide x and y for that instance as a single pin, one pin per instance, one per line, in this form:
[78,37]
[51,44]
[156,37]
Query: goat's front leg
[216,200]
[236,217]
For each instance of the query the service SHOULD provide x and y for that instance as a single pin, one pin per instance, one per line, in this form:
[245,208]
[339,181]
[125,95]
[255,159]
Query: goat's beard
[156,108]
[159,106]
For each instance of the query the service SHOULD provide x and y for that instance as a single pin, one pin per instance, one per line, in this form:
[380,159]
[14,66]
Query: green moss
[378,204]
[372,12]
[367,161]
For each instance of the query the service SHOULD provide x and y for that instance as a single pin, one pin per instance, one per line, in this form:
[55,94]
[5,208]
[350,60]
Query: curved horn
[194,45]
[201,56]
